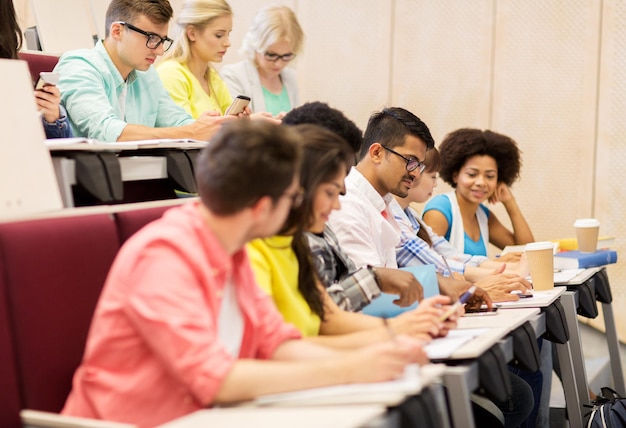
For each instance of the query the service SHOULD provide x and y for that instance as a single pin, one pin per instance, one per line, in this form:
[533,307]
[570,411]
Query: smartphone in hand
[476,312]
[47,78]
[237,106]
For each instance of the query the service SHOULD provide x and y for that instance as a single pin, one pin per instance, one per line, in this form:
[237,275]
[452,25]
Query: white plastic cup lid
[587,222]
[541,245]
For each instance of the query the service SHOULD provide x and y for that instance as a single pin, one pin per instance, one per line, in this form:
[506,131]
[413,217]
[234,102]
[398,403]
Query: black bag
[608,410]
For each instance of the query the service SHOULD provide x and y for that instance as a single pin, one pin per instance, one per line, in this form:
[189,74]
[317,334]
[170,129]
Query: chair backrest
[73,31]
[54,270]
[9,392]
[28,184]
[99,10]
[38,62]
[129,222]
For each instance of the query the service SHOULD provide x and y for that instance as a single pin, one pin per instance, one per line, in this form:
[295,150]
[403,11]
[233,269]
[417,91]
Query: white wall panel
[442,58]
[610,193]
[347,54]
[545,92]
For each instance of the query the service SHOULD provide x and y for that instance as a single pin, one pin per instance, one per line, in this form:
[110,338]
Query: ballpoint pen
[462,300]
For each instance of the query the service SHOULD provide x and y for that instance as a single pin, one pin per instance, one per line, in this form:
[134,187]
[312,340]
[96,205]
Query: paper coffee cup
[540,256]
[587,230]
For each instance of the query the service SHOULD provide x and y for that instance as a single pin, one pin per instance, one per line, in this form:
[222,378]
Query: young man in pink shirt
[181,323]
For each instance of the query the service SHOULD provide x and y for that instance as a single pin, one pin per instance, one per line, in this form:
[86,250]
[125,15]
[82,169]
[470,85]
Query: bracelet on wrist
[372,270]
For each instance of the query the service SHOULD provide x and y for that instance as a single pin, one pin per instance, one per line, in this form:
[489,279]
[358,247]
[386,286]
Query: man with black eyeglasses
[112,92]
[391,158]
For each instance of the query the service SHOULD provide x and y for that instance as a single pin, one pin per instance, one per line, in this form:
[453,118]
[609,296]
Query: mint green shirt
[276,103]
[100,103]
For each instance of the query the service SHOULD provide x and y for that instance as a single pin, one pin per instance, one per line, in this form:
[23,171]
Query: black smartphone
[476,312]
[238,105]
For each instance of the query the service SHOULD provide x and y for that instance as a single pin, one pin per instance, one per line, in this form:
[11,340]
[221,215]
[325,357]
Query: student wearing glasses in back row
[112,92]
[274,39]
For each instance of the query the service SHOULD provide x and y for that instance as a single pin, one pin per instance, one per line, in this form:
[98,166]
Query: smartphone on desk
[479,312]
[237,106]
[46,78]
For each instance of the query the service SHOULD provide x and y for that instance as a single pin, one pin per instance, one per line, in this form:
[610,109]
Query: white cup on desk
[587,234]
[540,256]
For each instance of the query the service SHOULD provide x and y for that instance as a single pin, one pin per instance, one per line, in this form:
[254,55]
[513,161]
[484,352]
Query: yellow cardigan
[275,267]
[187,92]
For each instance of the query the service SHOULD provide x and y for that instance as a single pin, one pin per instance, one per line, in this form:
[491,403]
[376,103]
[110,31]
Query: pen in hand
[462,300]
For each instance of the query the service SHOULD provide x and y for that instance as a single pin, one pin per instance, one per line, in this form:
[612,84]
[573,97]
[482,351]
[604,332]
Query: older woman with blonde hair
[274,39]
[203,38]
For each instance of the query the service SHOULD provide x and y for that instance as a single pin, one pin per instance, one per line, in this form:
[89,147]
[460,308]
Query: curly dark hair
[318,113]
[460,145]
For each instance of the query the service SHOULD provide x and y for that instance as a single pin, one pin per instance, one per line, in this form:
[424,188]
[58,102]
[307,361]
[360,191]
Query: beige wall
[548,73]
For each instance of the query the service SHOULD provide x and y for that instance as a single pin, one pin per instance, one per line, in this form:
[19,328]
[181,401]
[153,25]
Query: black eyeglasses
[154,40]
[273,57]
[411,163]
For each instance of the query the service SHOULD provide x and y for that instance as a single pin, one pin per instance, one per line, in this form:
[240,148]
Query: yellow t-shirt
[187,92]
[275,267]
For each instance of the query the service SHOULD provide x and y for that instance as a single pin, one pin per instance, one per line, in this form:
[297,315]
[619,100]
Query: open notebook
[358,393]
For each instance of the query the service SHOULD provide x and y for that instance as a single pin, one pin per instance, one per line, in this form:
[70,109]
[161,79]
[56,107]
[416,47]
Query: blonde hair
[272,24]
[196,13]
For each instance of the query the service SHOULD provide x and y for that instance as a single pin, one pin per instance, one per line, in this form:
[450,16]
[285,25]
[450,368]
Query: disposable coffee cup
[587,234]
[540,256]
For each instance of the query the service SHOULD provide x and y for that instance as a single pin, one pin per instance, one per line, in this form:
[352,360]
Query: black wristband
[372,270]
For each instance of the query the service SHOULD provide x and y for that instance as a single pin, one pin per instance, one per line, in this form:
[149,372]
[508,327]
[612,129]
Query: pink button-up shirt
[153,352]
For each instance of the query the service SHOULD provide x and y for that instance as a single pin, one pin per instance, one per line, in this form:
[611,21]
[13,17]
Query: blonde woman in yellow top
[203,38]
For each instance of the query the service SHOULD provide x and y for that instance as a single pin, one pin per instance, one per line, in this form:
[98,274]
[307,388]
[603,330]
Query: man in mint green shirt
[112,92]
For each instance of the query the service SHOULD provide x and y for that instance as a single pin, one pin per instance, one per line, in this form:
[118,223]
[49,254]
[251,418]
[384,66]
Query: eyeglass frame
[418,163]
[288,57]
[149,35]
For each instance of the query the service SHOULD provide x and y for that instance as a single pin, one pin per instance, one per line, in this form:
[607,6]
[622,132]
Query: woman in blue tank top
[481,166]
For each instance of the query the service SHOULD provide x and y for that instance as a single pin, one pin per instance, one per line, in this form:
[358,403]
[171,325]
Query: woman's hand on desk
[266,116]
[424,322]
[500,286]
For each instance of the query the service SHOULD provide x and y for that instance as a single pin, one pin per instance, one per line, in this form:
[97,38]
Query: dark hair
[10,34]
[462,144]
[245,161]
[322,114]
[157,11]
[390,127]
[324,155]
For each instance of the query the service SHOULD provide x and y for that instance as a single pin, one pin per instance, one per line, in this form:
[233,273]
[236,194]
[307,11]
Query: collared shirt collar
[111,68]
[362,185]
